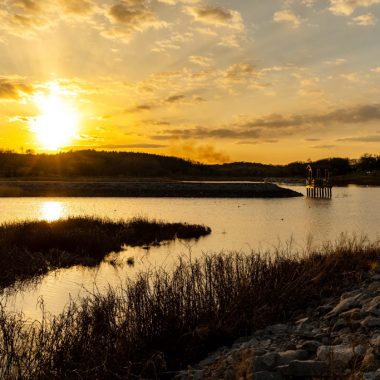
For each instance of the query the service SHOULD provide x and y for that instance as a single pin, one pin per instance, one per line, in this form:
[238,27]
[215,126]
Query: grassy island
[32,248]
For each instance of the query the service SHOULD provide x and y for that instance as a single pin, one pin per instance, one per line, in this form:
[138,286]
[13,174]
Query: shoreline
[164,189]
[336,337]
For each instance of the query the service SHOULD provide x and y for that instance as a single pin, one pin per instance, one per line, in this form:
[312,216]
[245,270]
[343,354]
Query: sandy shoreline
[143,189]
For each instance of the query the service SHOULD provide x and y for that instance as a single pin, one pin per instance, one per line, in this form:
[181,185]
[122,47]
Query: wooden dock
[318,187]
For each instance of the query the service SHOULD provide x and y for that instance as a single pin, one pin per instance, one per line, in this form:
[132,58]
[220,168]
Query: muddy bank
[143,189]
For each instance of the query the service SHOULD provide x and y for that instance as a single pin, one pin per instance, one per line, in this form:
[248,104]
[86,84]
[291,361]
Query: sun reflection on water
[52,210]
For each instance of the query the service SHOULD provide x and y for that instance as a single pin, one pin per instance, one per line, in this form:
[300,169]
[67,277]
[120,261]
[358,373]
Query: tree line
[91,163]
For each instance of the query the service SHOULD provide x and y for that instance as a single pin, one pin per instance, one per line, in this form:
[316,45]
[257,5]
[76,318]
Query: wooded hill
[91,163]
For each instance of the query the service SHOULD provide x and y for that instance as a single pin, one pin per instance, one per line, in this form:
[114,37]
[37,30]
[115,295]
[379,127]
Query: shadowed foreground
[162,322]
[33,248]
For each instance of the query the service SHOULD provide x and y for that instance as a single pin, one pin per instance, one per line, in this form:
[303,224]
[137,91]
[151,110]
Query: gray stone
[373,306]
[353,314]
[310,346]
[266,362]
[344,305]
[305,368]
[370,322]
[376,277]
[280,328]
[340,355]
[340,324]
[302,321]
[371,375]
[375,342]
[266,375]
[374,286]
[370,362]
[290,355]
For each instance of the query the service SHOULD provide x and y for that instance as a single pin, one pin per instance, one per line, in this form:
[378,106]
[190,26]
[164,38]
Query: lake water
[237,225]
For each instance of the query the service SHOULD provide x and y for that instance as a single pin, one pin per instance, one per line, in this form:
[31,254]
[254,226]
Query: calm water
[237,225]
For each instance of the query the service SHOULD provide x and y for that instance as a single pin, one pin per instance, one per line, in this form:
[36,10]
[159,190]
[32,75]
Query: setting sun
[58,122]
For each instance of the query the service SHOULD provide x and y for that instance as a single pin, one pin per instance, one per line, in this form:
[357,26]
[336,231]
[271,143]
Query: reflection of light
[52,211]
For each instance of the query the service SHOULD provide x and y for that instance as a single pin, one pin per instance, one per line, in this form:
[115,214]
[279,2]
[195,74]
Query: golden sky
[238,80]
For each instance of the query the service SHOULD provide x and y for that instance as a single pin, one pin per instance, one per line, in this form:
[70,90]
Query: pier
[318,187]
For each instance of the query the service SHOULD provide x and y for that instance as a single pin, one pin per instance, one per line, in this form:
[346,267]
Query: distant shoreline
[164,189]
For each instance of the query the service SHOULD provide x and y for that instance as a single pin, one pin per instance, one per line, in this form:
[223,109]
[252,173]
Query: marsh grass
[163,321]
[29,249]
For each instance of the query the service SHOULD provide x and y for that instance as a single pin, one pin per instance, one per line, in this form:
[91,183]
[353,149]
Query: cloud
[203,153]
[347,7]
[239,71]
[216,16]
[131,146]
[175,42]
[120,20]
[174,2]
[325,146]
[201,60]
[13,89]
[349,115]
[175,98]
[271,125]
[78,7]
[287,16]
[368,19]
[26,18]
[128,17]
[202,132]
[364,139]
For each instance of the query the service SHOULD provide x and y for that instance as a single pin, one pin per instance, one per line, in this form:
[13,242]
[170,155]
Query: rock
[288,356]
[266,375]
[376,277]
[310,346]
[370,322]
[350,294]
[340,355]
[302,321]
[305,368]
[352,314]
[344,305]
[278,329]
[266,362]
[208,361]
[322,310]
[375,343]
[370,362]
[229,374]
[374,286]
[373,306]
[371,375]
[340,324]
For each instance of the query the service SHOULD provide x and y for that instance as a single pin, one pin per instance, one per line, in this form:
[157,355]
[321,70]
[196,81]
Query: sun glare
[58,122]
[52,211]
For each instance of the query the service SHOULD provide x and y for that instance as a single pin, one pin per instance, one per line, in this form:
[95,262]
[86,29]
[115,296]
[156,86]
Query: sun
[58,122]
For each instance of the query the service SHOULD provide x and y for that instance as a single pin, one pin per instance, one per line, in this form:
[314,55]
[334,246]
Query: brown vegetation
[29,249]
[162,321]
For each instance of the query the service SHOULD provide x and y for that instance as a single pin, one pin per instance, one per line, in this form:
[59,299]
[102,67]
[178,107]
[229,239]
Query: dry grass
[162,321]
[30,249]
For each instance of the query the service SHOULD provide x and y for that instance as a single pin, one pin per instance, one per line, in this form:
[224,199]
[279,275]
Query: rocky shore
[143,189]
[336,338]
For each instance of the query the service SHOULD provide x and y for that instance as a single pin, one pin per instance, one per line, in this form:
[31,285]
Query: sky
[213,81]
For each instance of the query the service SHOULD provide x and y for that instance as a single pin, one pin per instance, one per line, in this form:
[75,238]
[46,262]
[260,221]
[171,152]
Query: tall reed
[161,321]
